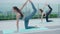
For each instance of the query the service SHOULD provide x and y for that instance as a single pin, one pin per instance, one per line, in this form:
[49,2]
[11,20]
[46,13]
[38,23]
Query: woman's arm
[24,5]
[17,22]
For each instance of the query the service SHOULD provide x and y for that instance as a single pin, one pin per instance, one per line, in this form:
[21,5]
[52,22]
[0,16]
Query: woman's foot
[49,21]
[31,27]
[16,31]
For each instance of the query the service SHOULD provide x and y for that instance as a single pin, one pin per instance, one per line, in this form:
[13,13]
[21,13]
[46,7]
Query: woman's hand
[30,1]
[44,14]
[24,4]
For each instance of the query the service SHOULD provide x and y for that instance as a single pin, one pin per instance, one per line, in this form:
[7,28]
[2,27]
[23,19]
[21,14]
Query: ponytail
[18,11]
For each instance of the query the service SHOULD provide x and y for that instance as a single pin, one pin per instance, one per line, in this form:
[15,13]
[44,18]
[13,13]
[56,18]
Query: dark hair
[17,9]
[41,10]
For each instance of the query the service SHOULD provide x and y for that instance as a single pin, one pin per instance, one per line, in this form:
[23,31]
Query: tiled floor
[9,26]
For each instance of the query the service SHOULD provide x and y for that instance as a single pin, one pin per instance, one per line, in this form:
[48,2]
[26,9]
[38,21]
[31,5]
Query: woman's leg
[33,13]
[47,14]
[29,17]
[17,24]
[26,22]
[47,17]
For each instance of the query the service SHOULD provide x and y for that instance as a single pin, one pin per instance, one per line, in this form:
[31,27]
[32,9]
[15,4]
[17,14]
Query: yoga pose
[18,14]
[26,20]
[47,13]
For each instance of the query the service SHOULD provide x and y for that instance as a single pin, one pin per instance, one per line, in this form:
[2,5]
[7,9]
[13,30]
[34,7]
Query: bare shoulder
[18,14]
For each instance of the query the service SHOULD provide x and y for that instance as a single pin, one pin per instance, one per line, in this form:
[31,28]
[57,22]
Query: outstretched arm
[24,5]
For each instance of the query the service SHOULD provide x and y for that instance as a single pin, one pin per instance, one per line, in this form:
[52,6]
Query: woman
[26,19]
[47,13]
[18,14]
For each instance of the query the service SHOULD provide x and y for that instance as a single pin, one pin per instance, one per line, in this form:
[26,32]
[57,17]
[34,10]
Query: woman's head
[17,10]
[41,10]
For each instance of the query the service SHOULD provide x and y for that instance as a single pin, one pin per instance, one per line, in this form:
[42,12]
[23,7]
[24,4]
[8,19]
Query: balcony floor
[9,26]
